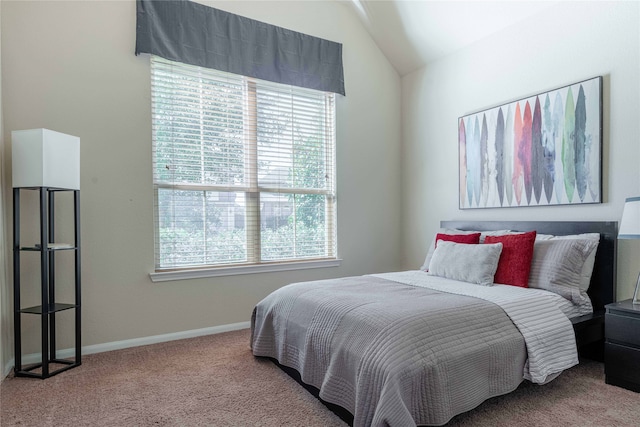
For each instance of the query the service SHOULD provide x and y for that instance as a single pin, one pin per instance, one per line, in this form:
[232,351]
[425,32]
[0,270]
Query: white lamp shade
[45,158]
[630,223]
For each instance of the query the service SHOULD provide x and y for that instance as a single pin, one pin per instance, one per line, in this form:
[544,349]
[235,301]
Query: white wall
[568,43]
[70,67]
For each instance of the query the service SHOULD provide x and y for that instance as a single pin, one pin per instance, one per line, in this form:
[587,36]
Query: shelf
[50,246]
[52,309]
[47,247]
[27,371]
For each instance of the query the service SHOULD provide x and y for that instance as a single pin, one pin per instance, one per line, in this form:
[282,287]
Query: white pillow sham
[587,267]
[557,265]
[467,263]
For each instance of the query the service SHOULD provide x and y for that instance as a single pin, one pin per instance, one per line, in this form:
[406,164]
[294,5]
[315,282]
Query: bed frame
[589,329]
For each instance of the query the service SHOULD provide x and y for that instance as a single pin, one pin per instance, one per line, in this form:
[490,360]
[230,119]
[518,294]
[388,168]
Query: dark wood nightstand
[622,345]
[589,331]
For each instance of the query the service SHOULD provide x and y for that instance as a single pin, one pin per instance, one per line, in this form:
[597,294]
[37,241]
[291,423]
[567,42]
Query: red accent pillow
[472,239]
[515,261]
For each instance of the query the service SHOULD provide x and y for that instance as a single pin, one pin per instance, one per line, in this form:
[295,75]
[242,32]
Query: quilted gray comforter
[391,354]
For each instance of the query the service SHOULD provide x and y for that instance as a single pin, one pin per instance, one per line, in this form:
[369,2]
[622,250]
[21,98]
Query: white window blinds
[243,169]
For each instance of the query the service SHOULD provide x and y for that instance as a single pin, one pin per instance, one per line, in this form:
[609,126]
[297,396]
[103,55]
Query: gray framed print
[538,151]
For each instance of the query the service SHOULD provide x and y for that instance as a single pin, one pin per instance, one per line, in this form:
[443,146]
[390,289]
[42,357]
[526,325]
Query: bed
[416,348]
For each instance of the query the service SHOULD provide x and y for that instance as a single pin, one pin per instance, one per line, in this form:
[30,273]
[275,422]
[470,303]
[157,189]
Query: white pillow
[557,265]
[467,263]
[587,267]
[483,234]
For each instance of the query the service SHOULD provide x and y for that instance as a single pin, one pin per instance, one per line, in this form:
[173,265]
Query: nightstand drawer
[622,362]
[622,329]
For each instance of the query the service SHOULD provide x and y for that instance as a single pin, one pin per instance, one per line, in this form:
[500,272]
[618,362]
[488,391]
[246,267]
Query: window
[243,169]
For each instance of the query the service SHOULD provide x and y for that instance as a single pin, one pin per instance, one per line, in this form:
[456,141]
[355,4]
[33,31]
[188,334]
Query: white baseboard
[135,342]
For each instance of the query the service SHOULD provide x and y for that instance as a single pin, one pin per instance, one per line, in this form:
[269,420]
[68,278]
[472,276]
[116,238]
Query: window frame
[252,190]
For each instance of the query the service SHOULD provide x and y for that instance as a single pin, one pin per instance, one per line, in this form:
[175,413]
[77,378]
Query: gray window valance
[195,34]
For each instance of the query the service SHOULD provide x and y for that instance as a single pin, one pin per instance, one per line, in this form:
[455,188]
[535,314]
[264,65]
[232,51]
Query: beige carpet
[215,381]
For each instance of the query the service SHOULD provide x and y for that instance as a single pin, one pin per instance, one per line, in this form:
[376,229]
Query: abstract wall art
[538,151]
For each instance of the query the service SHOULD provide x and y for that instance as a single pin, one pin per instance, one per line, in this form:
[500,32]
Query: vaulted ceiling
[412,33]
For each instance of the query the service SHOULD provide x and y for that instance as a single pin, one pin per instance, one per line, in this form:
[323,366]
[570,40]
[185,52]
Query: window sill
[165,276]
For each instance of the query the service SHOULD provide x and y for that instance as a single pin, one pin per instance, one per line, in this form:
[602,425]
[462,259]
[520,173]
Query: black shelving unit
[49,307]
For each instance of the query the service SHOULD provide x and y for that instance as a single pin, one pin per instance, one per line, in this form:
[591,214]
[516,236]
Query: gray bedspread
[391,354]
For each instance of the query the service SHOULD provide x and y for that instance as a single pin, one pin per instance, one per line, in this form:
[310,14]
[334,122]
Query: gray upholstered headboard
[602,290]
